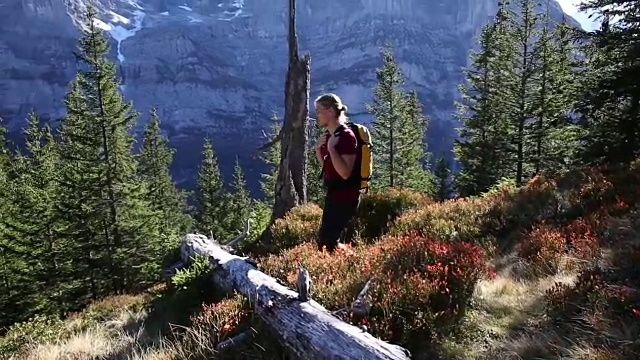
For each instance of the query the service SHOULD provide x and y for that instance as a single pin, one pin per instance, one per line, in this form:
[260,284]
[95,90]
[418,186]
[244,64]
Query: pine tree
[482,149]
[4,149]
[388,109]
[315,189]
[544,109]
[235,208]
[610,96]
[506,85]
[10,310]
[155,159]
[553,138]
[272,158]
[210,195]
[34,226]
[525,31]
[412,156]
[114,230]
[442,175]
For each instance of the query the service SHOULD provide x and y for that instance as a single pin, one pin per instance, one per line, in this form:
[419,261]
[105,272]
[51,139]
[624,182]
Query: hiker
[336,150]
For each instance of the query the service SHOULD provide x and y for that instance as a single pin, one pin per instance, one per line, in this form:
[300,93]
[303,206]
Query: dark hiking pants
[337,222]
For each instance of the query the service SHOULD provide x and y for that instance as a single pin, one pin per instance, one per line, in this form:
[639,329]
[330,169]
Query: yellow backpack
[364,160]
[363,167]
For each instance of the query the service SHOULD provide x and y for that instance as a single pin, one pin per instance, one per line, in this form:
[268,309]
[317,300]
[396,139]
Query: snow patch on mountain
[120,33]
[235,9]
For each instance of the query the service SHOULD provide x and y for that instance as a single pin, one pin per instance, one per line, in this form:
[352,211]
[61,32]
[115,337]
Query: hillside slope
[549,270]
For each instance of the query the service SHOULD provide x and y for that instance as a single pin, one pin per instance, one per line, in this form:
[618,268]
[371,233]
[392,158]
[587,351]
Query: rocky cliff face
[217,68]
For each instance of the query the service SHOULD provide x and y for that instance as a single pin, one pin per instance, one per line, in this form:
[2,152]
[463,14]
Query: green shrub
[195,277]
[452,220]
[38,330]
[378,211]
[300,225]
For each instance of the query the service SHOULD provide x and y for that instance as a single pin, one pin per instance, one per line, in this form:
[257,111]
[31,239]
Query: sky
[571,7]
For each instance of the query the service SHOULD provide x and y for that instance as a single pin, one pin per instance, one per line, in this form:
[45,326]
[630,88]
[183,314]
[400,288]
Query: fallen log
[306,328]
[229,246]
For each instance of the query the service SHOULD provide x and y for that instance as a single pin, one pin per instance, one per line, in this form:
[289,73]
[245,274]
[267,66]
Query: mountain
[217,68]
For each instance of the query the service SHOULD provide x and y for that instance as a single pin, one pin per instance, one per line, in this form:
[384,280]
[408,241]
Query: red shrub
[222,319]
[582,237]
[421,286]
[456,220]
[545,245]
[594,291]
[543,248]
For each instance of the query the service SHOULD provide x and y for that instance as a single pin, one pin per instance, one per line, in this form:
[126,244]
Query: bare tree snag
[291,188]
[307,330]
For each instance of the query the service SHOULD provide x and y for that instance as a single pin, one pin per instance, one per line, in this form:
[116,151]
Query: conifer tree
[272,158]
[387,108]
[210,195]
[9,295]
[482,149]
[236,205]
[543,98]
[113,228]
[525,32]
[155,159]
[315,189]
[4,149]
[610,94]
[442,175]
[413,158]
[553,138]
[35,221]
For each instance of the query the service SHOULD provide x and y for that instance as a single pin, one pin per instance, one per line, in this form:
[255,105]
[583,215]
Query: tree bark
[307,330]
[290,189]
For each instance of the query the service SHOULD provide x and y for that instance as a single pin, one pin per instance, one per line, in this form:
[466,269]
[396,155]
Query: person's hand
[333,141]
[321,141]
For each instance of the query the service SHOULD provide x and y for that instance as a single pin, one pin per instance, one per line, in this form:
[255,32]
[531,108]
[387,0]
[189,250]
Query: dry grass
[124,328]
[557,343]
[111,340]
[510,315]
[89,344]
[112,337]
[502,307]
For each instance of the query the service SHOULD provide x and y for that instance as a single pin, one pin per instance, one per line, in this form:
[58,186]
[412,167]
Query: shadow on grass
[590,319]
[577,336]
[167,327]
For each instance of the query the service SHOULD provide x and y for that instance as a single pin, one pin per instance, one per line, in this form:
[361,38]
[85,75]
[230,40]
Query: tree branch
[271,142]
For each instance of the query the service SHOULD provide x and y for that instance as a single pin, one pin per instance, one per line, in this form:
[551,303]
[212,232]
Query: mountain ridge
[217,68]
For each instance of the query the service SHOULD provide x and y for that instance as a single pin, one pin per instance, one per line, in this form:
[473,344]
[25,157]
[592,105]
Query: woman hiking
[336,150]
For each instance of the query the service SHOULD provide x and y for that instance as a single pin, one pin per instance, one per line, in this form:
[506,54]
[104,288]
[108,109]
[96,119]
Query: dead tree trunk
[307,330]
[297,112]
[291,188]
